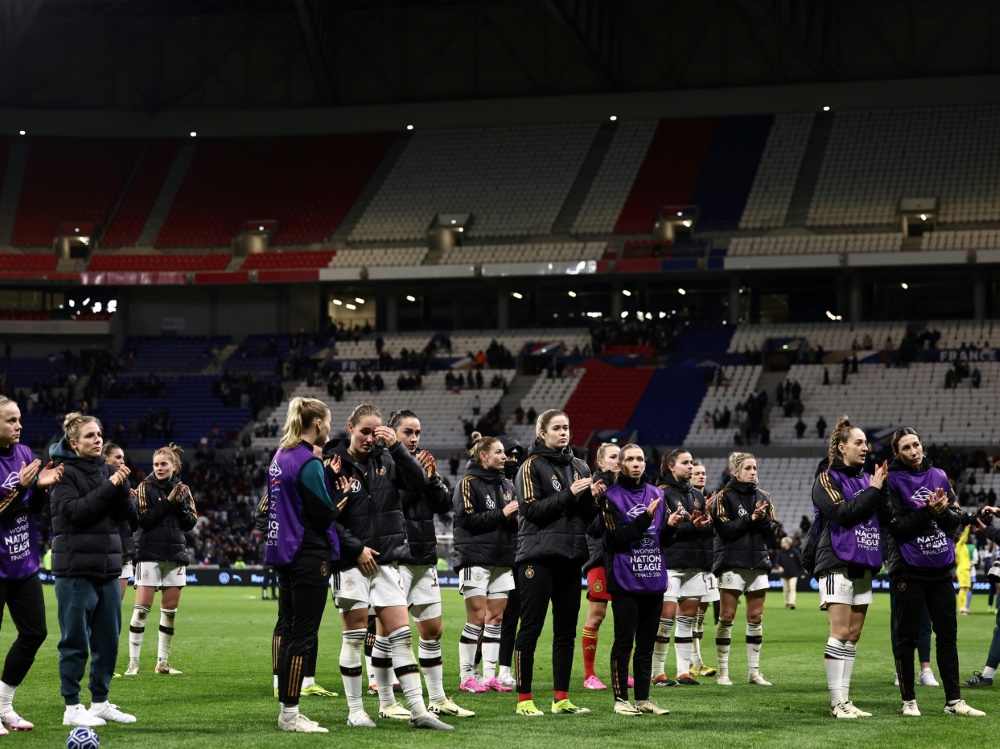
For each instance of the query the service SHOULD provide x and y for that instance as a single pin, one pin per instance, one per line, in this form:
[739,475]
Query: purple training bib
[931,550]
[641,568]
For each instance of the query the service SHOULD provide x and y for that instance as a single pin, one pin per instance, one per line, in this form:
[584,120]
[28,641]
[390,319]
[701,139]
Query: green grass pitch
[224,698]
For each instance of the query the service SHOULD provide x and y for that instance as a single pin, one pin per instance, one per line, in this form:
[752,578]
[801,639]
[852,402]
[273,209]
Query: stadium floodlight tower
[917,216]
[675,222]
[447,229]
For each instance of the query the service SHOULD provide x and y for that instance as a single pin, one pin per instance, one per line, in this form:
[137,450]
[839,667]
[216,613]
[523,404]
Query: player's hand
[510,509]
[701,520]
[675,517]
[120,476]
[880,474]
[29,471]
[580,484]
[335,465]
[759,511]
[426,461]
[366,561]
[651,509]
[709,503]
[49,476]
[598,488]
[939,504]
[342,486]
[386,434]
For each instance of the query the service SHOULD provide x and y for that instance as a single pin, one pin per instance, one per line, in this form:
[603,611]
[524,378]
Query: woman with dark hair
[115,457]
[699,477]
[847,503]
[23,494]
[301,546]
[686,561]
[165,513]
[373,542]
[744,521]
[636,528]
[597,583]
[87,506]
[485,509]
[513,455]
[556,495]
[920,556]
[418,570]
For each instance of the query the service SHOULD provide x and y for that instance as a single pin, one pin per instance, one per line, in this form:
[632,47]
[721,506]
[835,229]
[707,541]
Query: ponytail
[302,412]
[841,433]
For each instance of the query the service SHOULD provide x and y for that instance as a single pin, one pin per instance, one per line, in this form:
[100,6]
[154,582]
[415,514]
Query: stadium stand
[308,184]
[605,397]
[874,158]
[815,244]
[523,253]
[299,259]
[37,262]
[67,180]
[611,186]
[831,336]
[378,257]
[512,180]
[678,148]
[958,333]
[133,211]
[545,393]
[973,239]
[739,383]
[774,183]
[171,353]
[149,262]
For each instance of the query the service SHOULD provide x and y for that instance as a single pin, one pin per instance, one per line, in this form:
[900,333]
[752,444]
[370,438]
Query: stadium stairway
[812,162]
[584,179]
[171,185]
[605,397]
[370,189]
[12,168]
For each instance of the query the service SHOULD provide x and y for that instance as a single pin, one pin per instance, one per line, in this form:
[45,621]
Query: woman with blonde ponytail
[87,506]
[302,542]
[847,504]
[165,513]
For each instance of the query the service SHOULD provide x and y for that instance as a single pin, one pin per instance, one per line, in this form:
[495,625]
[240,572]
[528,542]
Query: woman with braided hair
[847,504]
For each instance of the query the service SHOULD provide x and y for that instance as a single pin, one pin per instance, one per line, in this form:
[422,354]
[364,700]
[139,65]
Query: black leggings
[26,603]
[541,581]
[302,590]
[637,618]
[508,628]
[938,597]
[309,667]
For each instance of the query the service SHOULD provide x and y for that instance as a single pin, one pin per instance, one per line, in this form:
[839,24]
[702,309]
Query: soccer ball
[82,737]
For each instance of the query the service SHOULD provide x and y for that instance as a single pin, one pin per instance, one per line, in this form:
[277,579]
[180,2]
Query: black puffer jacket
[741,542]
[595,531]
[86,511]
[162,522]
[687,549]
[905,525]
[832,506]
[371,515]
[419,509]
[553,522]
[483,536]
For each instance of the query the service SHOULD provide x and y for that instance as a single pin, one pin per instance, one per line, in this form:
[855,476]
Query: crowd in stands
[247,390]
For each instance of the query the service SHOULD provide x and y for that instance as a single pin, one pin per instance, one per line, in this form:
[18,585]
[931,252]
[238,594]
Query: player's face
[115,458]
[747,472]
[699,477]
[494,458]
[633,463]
[609,460]
[556,434]
[855,450]
[323,429]
[910,451]
[408,432]
[363,434]
[163,466]
[10,424]
[682,466]
[89,442]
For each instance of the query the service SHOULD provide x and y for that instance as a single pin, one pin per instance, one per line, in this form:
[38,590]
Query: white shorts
[420,586]
[684,584]
[743,580]
[352,589]
[837,587]
[127,571]
[711,588]
[492,582]
[160,575]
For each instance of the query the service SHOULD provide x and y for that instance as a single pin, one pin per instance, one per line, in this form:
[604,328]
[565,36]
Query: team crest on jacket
[324,569]
[529,572]
[556,484]
[381,471]
[507,497]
